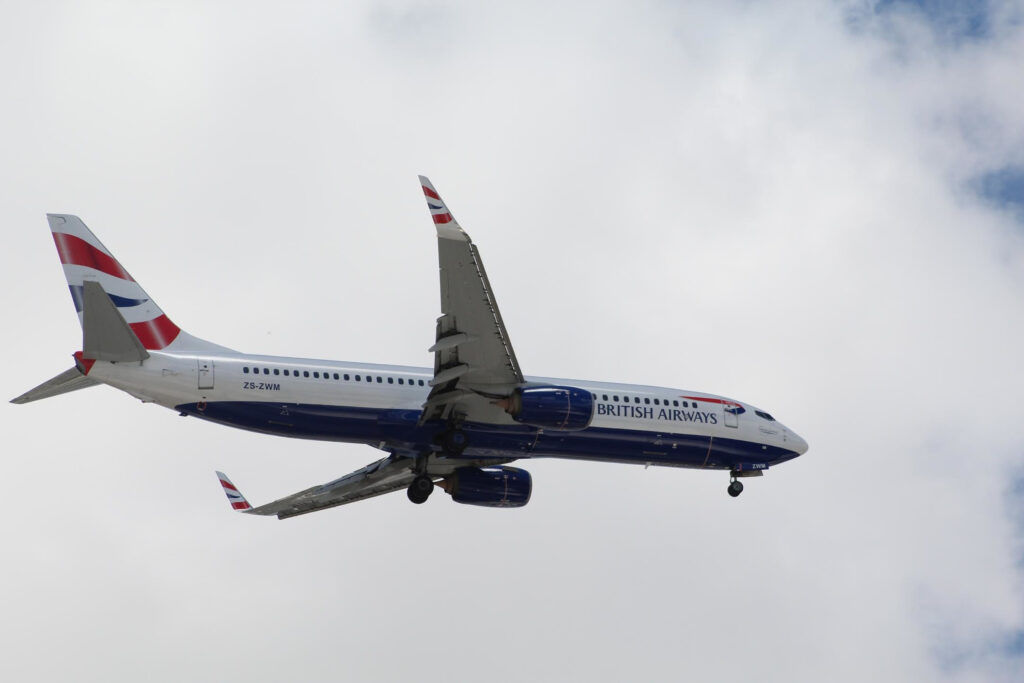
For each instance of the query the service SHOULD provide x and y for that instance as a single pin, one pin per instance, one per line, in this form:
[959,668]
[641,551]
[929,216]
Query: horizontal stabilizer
[70,380]
[105,334]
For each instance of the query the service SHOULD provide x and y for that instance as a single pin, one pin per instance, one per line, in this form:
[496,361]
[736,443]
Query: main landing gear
[453,442]
[420,489]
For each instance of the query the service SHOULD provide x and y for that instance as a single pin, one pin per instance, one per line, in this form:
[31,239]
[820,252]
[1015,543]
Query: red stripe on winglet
[430,193]
[157,333]
[443,218]
[240,506]
[77,252]
[227,485]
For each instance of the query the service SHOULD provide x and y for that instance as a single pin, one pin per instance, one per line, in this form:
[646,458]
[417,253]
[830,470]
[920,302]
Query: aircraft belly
[398,429]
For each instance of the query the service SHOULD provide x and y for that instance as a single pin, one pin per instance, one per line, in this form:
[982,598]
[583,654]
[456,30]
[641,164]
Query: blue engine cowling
[561,408]
[493,487]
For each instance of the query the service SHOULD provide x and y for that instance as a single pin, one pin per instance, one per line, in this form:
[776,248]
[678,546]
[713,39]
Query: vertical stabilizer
[85,259]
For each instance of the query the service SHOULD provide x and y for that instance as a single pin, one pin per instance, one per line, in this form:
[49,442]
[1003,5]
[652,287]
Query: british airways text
[649,413]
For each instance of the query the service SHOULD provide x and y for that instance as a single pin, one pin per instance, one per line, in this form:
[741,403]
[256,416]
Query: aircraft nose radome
[797,443]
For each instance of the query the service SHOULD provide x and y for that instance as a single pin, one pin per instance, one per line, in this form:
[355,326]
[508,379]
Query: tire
[420,489]
[455,441]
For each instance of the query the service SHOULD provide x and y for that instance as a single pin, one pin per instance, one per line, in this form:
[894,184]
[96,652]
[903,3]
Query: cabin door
[731,411]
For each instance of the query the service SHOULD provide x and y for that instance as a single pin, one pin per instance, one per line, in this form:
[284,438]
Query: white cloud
[760,200]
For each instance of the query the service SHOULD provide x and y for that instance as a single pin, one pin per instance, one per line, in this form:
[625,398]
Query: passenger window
[358,379]
[245,370]
[336,376]
[657,402]
[421,383]
[305,373]
[401,381]
[615,398]
[391,380]
[604,397]
[276,371]
[685,404]
[378,380]
[647,401]
[316,375]
[636,399]
[675,402]
[266,371]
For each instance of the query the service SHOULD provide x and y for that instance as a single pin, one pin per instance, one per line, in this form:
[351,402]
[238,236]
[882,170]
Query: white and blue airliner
[457,425]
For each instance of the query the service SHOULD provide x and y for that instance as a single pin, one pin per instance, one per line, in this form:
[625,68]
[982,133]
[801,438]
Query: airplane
[455,426]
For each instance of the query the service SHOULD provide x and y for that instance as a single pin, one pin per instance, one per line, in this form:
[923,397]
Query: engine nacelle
[560,408]
[493,487]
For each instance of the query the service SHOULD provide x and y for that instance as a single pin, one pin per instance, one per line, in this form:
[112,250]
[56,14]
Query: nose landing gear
[743,471]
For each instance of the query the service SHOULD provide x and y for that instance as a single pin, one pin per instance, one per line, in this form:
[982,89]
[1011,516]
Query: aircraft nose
[796,442]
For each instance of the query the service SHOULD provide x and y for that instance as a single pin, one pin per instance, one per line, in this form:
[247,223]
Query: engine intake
[560,408]
[493,487]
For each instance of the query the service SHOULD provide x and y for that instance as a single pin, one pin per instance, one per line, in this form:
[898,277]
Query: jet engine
[559,408]
[494,487]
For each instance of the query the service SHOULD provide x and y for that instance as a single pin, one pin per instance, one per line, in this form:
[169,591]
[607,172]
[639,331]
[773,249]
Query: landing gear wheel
[420,489]
[735,488]
[454,441]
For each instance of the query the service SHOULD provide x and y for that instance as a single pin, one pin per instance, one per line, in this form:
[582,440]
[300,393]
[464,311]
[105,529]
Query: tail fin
[86,259]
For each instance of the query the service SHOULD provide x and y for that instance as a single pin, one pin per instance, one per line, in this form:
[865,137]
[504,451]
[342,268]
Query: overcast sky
[816,207]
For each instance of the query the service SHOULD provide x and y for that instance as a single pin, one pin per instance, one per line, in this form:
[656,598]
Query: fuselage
[381,406]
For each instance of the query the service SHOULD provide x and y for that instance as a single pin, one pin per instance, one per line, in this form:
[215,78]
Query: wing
[473,358]
[384,476]
[392,473]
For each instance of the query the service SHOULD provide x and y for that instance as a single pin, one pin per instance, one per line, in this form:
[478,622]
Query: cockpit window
[761,413]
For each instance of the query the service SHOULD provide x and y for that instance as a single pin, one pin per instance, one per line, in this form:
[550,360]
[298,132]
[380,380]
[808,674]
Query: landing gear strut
[735,486]
[420,489]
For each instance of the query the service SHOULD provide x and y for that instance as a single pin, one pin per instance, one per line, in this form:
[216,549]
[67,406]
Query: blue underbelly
[398,429]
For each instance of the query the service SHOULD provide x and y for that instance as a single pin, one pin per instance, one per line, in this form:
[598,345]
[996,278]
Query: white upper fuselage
[173,380]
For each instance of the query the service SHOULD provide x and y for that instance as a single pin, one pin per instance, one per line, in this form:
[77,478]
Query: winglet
[235,497]
[444,221]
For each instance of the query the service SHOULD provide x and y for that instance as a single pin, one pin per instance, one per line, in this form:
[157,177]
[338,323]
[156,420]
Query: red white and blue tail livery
[456,425]
[86,259]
